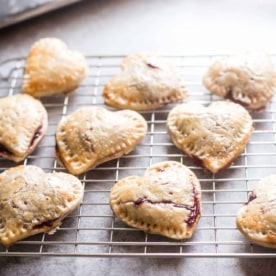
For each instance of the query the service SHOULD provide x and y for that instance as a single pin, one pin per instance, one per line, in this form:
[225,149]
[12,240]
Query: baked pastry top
[51,68]
[23,123]
[93,135]
[257,218]
[165,201]
[146,82]
[33,201]
[248,79]
[213,136]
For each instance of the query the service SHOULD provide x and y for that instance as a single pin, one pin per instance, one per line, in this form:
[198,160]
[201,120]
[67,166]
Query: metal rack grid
[92,230]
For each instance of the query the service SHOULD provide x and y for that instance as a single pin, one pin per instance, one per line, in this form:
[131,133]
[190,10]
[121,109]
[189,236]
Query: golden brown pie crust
[34,202]
[23,123]
[257,218]
[93,135]
[248,79]
[212,136]
[165,201]
[146,82]
[51,68]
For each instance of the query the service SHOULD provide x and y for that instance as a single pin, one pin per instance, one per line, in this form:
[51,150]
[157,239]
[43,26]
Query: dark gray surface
[139,267]
[121,27]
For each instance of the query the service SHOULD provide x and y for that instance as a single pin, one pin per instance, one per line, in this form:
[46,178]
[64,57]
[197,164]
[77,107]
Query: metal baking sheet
[92,230]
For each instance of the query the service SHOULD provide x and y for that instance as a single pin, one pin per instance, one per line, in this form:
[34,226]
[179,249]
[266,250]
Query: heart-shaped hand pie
[146,82]
[51,68]
[257,218]
[93,135]
[23,123]
[165,201]
[248,79]
[34,202]
[212,136]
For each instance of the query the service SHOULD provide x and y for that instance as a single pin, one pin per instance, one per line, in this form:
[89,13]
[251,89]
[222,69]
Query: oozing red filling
[252,196]
[48,223]
[194,210]
[4,151]
[152,66]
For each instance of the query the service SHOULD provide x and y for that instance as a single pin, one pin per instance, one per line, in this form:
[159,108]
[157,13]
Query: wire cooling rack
[92,230]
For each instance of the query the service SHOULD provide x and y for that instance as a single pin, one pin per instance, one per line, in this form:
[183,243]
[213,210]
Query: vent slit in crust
[36,136]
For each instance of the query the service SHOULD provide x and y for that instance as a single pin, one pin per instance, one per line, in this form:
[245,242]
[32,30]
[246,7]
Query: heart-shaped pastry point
[248,79]
[212,136]
[33,202]
[165,201]
[257,218]
[93,135]
[23,123]
[51,68]
[146,82]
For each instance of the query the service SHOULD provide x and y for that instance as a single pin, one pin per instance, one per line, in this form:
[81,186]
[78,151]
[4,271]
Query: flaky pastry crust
[146,82]
[51,68]
[248,79]
[34,202]
[94,135]
[165,201]
[23,123]
[257,218]
[212,136]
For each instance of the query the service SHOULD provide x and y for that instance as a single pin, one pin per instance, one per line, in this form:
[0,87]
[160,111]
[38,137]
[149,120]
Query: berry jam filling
[197,161]
[152,66]
[48,223]
[140,200]
[252,196]
[230,97]
[4,151]
[37,134]
[194,210]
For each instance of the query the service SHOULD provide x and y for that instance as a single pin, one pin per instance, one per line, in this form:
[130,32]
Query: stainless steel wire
[92,230]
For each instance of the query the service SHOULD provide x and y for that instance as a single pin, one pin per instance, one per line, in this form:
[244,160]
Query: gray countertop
[105,27]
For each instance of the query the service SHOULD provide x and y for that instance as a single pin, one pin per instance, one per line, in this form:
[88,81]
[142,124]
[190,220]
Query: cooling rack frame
[92,230]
